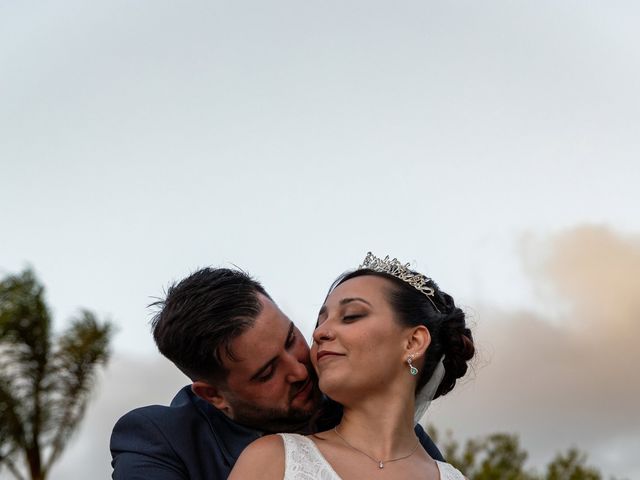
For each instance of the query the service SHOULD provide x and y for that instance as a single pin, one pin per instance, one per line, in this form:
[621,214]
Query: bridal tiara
[401,272]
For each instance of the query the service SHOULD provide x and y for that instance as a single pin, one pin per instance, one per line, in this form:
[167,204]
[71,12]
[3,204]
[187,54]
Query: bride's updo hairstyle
[446,324]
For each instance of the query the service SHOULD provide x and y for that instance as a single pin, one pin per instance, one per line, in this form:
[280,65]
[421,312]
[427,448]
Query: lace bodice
[449,472]
[303,461]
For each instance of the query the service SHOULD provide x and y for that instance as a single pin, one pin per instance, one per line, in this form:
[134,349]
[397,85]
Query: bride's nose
[323,332]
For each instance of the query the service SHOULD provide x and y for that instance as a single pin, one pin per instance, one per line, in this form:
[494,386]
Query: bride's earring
[412,370]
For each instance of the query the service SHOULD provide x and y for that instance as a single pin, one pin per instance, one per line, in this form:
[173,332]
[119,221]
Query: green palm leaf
[44,382]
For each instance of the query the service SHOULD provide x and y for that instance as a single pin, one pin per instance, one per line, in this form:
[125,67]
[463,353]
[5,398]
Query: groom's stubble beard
[271,420]
[283,420]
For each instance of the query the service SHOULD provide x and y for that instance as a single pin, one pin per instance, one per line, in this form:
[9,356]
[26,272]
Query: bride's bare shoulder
[262,460]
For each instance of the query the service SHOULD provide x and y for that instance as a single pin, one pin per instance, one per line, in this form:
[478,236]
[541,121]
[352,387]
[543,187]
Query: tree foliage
[45,381]
[571,466]
[499,456]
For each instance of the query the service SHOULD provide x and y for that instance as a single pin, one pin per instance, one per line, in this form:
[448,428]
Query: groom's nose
[297,370]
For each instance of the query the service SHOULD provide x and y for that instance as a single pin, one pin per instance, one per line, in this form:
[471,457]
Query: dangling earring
[412,370]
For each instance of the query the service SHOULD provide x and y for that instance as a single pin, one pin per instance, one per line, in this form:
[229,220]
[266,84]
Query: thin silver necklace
[379,462]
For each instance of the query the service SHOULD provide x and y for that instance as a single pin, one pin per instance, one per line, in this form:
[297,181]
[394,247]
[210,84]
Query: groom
[250,373]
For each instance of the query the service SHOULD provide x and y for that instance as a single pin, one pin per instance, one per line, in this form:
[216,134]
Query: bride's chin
[338,389]
[329,384]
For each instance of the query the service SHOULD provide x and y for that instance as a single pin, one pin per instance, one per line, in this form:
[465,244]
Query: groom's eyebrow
[270,362]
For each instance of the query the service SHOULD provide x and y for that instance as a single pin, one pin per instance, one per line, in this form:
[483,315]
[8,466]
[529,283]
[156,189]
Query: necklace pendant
[381,465]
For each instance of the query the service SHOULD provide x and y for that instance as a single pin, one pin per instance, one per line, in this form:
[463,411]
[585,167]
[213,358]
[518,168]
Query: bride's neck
[384,425]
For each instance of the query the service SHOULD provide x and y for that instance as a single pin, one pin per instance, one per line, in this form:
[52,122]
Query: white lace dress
[303,461]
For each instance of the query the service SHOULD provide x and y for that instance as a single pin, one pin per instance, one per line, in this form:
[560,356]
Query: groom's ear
[418,340]
[212,395]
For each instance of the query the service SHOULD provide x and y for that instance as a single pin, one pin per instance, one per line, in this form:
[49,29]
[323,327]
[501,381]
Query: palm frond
[43,393]
[81,349]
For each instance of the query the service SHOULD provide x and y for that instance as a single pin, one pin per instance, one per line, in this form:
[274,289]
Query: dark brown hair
[201,315]
[450,335]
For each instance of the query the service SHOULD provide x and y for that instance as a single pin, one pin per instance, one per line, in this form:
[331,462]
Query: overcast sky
[142,140]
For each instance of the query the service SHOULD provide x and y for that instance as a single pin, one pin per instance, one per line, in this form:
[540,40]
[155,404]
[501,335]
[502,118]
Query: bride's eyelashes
[353,317]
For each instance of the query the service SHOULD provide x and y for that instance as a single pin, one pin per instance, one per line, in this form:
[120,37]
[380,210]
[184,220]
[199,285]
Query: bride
[388,340]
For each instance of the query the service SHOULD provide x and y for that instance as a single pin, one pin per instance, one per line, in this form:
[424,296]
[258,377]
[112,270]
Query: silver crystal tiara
[401,272]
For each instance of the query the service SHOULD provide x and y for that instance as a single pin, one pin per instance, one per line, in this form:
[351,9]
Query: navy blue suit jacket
[190,439]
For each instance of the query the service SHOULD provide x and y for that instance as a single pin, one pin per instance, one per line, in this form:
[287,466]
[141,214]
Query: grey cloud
[565,378]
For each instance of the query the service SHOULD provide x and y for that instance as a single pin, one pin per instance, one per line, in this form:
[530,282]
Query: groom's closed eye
[266,372]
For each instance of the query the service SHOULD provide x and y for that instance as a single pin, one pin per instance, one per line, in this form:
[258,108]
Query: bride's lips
[327,354]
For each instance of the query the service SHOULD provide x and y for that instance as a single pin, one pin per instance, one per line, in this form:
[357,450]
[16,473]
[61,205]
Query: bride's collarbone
[354,465]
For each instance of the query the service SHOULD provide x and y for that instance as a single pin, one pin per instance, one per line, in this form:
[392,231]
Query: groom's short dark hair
[201,315]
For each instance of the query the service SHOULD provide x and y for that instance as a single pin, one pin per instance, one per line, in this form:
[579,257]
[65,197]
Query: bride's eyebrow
[344,301]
